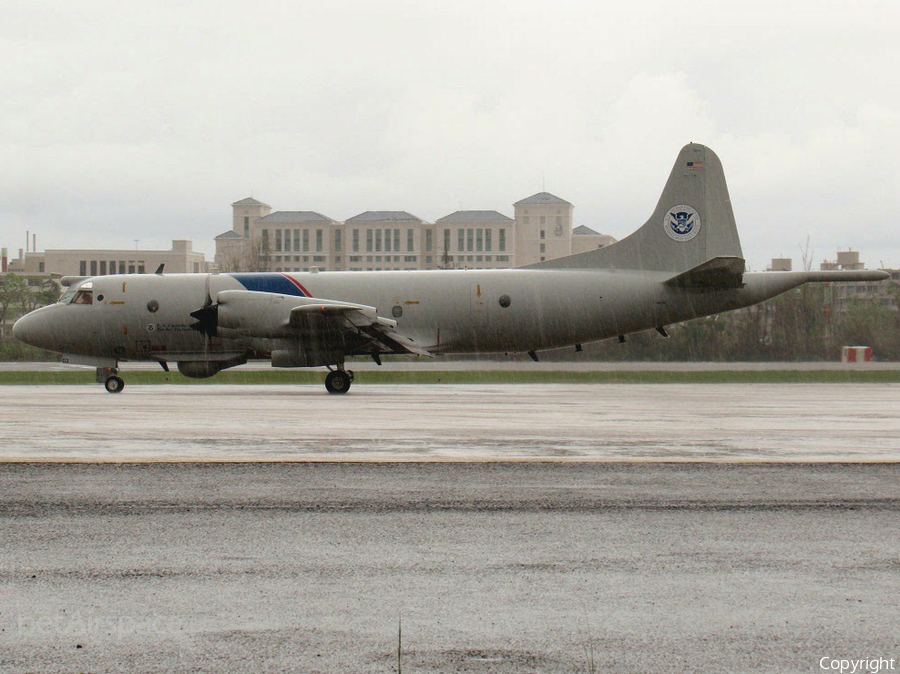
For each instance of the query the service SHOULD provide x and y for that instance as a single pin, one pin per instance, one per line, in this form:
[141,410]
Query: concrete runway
[725,422]
[493,567]
[513,528]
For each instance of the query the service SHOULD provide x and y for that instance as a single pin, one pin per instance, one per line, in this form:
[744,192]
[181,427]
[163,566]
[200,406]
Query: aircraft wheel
[338,381]
[114,384]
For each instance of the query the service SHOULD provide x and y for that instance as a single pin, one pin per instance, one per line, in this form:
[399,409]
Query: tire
[114,384]
[338,382]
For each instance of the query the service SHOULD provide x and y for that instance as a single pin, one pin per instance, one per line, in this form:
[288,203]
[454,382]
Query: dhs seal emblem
[682,223]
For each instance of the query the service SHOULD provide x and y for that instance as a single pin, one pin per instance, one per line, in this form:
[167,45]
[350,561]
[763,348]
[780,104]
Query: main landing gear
[109,377]
[338,380]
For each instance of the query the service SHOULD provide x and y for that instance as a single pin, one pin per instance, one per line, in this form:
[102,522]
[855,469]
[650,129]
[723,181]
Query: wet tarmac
[486,567]
[561,528]
[677,422]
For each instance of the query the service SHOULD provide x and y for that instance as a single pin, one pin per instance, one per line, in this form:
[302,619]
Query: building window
[305,246]
[93,267]
[470,240]
[479,239]
[501,239]
[429,240]
[487,240]
[337,241]
[246,227]
[369,239]
[278,240]
[543,234]
[387,240]
[82,268]
[319,238]
[296,240]
[396,240]
[461,240]
[102,267]
[356,241]
[410,239]
[543,247]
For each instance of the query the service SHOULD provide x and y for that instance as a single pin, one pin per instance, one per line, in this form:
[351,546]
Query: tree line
[800,325]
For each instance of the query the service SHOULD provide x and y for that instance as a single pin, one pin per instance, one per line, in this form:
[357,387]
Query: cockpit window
[83,294]
[83,297]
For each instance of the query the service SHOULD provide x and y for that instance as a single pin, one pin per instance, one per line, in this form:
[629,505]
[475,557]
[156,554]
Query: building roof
[474,216]
[542,198]
[250,201]
[581,230]
[384,216]
[230,234]
[295,216]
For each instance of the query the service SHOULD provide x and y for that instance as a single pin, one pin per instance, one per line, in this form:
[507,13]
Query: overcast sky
[146,120]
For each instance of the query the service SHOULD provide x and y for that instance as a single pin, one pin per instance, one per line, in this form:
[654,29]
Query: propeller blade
[207,320]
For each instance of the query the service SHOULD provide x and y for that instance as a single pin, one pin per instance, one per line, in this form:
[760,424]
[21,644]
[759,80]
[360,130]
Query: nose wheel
[338,381]
[114,384]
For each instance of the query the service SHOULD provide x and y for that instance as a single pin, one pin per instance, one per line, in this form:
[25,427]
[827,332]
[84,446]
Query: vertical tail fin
[692,223]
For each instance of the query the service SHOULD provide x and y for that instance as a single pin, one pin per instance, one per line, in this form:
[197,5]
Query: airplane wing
[317,323]
[718,273]
[369,332]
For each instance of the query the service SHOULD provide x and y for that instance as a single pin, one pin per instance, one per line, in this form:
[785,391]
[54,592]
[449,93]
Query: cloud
[147,121]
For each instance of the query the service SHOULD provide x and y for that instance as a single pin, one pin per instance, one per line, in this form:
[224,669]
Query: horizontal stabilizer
[717,273]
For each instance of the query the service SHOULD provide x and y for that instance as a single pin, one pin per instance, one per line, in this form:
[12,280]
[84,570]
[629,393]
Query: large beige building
[261,239]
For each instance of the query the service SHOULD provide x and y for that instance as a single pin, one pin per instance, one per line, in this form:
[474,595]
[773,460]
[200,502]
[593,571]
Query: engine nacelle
[199,369]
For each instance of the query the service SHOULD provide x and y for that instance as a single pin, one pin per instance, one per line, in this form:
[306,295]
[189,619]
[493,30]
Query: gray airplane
[684,263]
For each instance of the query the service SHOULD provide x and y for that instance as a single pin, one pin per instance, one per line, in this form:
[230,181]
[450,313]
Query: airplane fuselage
[148,317]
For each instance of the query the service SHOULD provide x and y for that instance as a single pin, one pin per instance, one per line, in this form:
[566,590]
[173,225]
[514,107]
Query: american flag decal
[695,165]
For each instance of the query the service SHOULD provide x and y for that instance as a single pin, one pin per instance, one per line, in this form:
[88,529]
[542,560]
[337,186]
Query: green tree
[13,293]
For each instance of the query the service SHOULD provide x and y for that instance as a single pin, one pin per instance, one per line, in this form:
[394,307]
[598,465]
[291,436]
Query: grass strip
[485,376]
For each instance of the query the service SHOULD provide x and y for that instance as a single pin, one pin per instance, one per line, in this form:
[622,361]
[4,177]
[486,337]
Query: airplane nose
[28,329]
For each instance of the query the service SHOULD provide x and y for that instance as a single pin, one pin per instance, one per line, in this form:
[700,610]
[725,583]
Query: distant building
[100,262]
[781,264]
[847,259]
[585,239]
[541,229]
[475,239]
[842,295]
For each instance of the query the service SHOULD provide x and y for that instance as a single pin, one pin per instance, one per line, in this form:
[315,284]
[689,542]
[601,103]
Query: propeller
[207,316]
